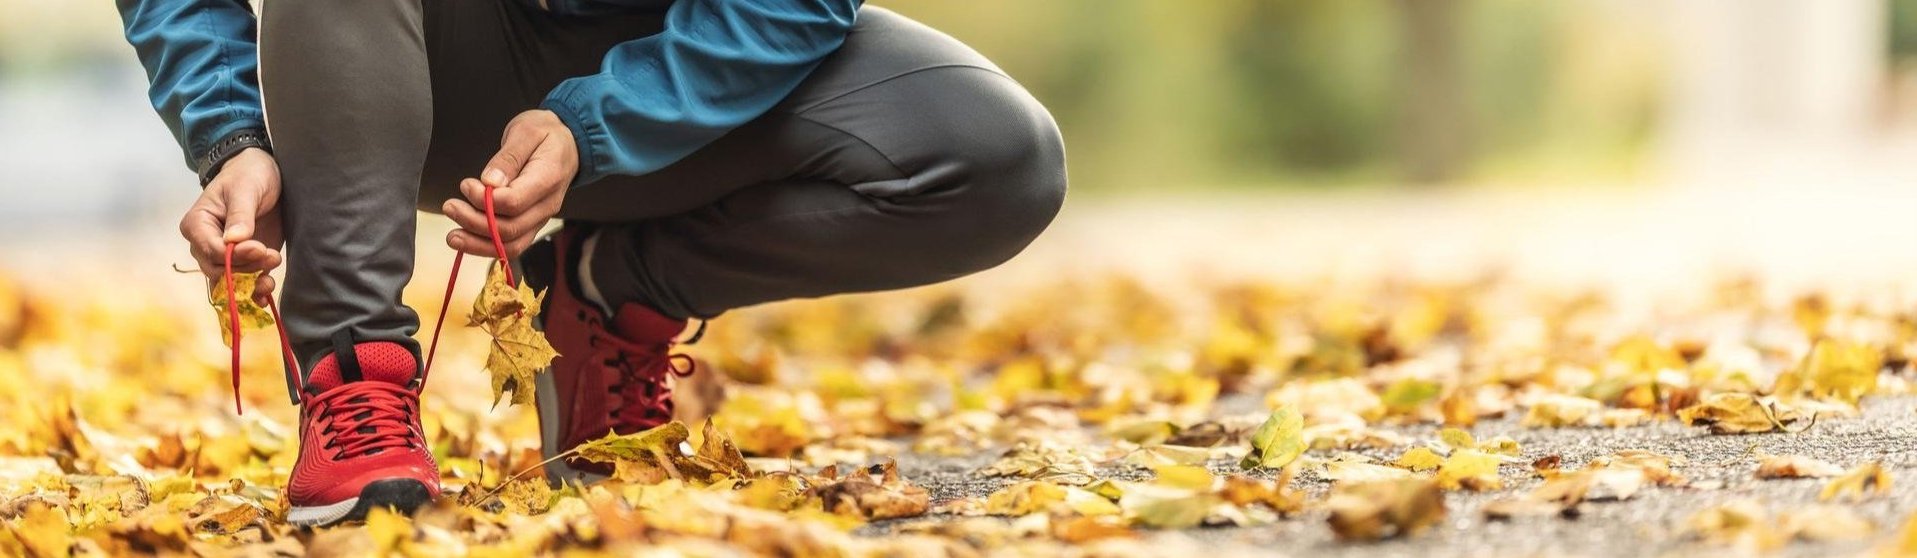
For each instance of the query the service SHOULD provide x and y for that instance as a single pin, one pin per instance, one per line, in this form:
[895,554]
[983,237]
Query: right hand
[239,206]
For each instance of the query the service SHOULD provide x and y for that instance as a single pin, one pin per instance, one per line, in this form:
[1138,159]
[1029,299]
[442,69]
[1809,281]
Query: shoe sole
[401,495]
[546,400]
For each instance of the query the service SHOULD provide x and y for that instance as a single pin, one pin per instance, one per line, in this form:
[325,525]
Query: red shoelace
[365,417]
[644,398]
[293,373]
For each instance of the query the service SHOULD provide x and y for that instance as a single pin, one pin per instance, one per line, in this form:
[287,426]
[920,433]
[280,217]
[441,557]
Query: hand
[536,163]
[238,206]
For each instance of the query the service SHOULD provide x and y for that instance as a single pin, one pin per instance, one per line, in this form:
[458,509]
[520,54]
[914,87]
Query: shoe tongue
[381,361]
[640,324]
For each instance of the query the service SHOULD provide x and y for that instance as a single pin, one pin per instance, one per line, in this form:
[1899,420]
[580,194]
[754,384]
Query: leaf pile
[1099,415]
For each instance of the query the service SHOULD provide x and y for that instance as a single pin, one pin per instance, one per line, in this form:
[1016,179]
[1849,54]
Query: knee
[1008,180]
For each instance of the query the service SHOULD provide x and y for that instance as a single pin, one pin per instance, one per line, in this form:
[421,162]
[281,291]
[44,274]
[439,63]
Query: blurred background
[1590,139]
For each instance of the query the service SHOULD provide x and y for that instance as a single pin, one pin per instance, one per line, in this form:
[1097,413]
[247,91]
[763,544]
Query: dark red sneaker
[360,440]
[611,375]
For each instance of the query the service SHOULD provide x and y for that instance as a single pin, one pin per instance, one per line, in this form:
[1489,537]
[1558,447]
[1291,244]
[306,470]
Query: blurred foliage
[1903,30]
[1156,95]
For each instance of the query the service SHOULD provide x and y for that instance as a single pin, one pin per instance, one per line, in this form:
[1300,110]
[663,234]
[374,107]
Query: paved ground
[1650,524]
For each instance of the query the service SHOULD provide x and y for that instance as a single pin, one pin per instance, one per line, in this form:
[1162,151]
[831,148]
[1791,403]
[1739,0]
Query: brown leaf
[1795,467]
[1386,509]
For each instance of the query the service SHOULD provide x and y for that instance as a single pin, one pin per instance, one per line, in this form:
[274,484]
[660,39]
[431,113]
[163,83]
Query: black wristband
[233,144]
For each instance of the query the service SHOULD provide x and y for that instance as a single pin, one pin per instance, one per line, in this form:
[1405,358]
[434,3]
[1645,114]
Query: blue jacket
[717,65]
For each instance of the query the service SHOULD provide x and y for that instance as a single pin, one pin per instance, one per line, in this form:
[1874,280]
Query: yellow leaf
[526,496]
[1869,479]
[1407,395]
[1739,523]
[1841,370]
[1167,507]
[43,529]
[1470,469]
[1420,459]
[1031,497]
[1738,413]
[519,350]
[1558,410]
[1160,455]
[388,529]
[1277,442]
[1457,439]
[1353,471]
[252,316]
[1185,476]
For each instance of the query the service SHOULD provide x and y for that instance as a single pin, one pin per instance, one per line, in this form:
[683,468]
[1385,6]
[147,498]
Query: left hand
[529,176]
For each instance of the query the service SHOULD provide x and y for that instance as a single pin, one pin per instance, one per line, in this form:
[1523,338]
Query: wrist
[229,148]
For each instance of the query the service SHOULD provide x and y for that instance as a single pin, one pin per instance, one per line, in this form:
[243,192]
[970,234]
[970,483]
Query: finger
[263,290]
[472,217]
[242,207]
[470,243]
[475,194]
[514,150]
[516,229]
[466,216]
[253,255]
[201,228]
[472,221]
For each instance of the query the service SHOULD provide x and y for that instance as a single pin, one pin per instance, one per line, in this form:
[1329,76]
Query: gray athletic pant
[905,159]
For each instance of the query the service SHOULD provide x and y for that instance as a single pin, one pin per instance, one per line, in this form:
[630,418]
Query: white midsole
[314,516]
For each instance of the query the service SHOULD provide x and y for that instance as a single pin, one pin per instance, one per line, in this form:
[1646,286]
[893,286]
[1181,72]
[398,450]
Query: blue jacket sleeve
[717,65]
[201,66]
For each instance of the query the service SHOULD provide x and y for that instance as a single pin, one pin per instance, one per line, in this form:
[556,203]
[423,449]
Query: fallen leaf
[1470,469]
[43,530]
[1795,467]
[1738,413]
[887,497]
[1378,510]
[1277,442]
[1420,459]
[1860,483]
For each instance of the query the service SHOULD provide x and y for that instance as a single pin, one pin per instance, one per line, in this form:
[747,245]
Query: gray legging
[905,159]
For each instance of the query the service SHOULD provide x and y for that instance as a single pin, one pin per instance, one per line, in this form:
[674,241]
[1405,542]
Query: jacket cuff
[582,132]
[208,164]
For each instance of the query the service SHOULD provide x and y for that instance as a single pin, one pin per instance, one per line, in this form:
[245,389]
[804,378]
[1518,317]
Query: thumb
[241,210]
[514,151]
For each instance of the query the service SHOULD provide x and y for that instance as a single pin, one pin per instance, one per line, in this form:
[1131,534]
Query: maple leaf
[888,497]
[252,316]
[519,350]
[1277,442]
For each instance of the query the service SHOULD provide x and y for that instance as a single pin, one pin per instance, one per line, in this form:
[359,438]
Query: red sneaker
[609,377]
[360,441]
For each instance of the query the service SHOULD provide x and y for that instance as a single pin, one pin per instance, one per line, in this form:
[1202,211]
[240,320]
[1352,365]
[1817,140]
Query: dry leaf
[1795,467]
[1378,510]
[1738,413]
[252,316]
[1861,483]
[507,313]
